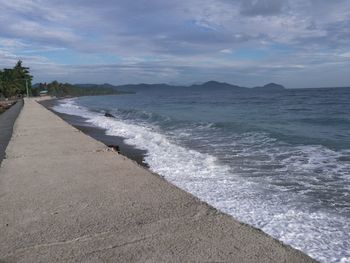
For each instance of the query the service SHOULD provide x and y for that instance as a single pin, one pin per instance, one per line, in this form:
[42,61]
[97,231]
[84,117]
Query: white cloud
[179,35]
[226,51]
[345,55]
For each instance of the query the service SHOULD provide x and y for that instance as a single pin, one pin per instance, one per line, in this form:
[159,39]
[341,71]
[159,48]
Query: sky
[297,43]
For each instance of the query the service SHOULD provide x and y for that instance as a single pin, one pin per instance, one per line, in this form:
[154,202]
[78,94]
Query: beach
[66,197]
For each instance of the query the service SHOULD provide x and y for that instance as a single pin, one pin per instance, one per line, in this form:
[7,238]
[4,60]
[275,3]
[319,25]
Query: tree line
[13,81]
[60,90]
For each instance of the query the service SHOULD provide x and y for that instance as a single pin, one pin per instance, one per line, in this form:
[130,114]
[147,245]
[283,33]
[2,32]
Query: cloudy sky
[298,43]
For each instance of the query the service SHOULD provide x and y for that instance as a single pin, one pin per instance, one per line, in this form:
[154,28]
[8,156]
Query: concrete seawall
[7,120]
[64,197]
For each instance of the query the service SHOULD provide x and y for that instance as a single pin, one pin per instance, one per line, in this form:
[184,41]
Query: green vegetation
[68,90]
[13,81]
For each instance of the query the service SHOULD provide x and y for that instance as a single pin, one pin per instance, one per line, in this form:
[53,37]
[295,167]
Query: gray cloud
[178,41]
[263,7]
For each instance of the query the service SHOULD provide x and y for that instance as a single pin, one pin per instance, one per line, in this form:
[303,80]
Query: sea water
[279,161]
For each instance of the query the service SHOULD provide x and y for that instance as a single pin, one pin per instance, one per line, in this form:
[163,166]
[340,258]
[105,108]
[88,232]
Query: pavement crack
[135,241]
[101,235]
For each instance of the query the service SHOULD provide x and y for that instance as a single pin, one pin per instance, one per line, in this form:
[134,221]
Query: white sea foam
[280,213]
[68,106]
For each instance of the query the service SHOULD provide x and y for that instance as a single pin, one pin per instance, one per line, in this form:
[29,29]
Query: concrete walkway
[65,198]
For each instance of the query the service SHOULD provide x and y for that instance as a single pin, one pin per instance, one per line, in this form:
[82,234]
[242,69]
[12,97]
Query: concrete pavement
[64,197]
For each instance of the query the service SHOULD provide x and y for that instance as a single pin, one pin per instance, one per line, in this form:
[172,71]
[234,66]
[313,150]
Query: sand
[64,197]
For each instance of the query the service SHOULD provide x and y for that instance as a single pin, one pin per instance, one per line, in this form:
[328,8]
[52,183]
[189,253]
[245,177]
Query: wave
[255,178]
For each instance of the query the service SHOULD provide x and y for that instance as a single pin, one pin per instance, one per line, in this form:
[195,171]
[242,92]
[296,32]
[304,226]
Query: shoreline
[99,134]
[89,203]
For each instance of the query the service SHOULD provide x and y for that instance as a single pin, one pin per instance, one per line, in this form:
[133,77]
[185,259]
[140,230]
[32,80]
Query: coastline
[98,133]
[79,183]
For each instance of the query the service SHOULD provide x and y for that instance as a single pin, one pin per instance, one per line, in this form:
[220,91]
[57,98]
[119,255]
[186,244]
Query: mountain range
[206,85]
[66,89]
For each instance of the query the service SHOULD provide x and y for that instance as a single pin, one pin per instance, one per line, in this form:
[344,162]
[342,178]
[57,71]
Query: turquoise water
[279,161]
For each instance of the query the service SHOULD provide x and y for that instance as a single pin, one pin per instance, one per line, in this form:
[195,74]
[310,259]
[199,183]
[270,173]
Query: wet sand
[65,197]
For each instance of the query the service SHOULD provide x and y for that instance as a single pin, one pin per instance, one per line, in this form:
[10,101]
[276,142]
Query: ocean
[279,161]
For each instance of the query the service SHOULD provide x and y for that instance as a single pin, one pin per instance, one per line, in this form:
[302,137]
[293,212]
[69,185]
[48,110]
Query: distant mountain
[271,87]
[144,86]
[58,89]
[212,84]
[105,85]
[107,88]
[217,85]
